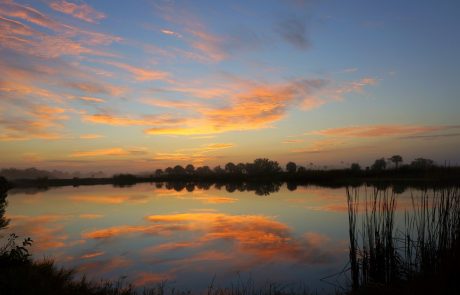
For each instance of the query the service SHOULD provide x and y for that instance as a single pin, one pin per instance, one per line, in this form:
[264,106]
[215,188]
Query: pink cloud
[82,11]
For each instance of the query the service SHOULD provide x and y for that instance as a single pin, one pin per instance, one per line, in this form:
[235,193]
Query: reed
[426,248]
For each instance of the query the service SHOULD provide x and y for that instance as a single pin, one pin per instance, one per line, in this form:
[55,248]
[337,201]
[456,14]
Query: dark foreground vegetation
[417,255]
[420,257]
[420,170]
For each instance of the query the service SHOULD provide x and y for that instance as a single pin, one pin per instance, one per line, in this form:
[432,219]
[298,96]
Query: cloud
[47,230]
[82,11]
[171,33]
[114,120]
[322,145]
[108,200]
[294,31]
[92,99]
[254,106]
[218,146]
[245,105]
[431,137]
[140,74]
[92,255]
[110,152]
[38,122]
[96,88]
[62,40]
[90,136]
[257,237]
[292,141]
[377,130]
[189,157]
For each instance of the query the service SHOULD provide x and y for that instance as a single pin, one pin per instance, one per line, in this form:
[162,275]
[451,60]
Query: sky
[125,86]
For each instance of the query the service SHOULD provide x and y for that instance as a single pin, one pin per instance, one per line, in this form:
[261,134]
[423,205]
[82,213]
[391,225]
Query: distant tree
[355,167]
[205,170]
[291,167]
[292,186]
[396,159]
[178,170]
[263,166]
[241,168]
[169,171]
[218,170]
[379,164]
[158,172]
[230,168]
[301,169]
[190,169]
[422,163]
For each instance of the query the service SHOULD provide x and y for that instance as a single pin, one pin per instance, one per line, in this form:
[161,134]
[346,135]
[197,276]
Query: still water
[148,234]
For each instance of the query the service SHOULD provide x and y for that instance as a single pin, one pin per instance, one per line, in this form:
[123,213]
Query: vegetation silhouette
[262,170]
[420,258]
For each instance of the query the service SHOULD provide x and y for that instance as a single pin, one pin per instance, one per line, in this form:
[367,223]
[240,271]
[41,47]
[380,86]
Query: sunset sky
[138,85]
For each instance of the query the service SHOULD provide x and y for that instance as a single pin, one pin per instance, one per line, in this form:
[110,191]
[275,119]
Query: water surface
[148,234]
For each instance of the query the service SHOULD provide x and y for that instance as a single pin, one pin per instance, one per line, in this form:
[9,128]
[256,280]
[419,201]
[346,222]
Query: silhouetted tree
[241,168]
[291,167]
[169,171]
[158,172]
[422,163]
[190,169]
[263,166]
[4,186]
[379,164]
[178,170]
[203,171]
[218,170]
[230,168]
[190,187]
[396,159]
[292,186]
[301,169]
[355,167]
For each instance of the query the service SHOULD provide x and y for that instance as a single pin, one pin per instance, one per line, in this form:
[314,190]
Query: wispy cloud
[92,99]
[294,30]
[91,136]
[140,74]
[171,33]
[110,152]
[378,130]
[81,11]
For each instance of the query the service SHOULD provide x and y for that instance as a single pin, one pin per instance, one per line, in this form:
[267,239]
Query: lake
[192,236]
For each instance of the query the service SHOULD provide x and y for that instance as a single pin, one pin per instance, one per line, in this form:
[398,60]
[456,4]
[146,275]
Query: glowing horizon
[120,87]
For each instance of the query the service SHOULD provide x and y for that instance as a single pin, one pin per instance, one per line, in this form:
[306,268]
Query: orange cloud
[377,130]
[90,136]
[127,121]
[258,236]
[218,146]
[82,11]
[47,230]
[92,99]
[92,255]
[140,74]
[37,122]
[97,87]
[110,200]
[109,152]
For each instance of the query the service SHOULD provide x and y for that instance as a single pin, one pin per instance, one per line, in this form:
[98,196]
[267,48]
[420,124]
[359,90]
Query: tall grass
[426,247]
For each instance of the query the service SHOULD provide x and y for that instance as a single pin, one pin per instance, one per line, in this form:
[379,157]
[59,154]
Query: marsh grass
[426,249]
